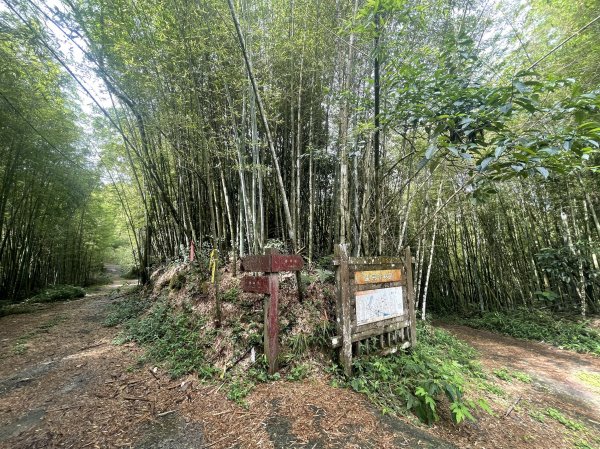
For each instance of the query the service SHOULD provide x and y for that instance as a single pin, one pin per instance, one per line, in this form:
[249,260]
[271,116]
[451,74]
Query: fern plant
[437,367]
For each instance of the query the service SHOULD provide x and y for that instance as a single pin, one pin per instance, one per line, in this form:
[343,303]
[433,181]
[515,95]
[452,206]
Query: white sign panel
[377,305]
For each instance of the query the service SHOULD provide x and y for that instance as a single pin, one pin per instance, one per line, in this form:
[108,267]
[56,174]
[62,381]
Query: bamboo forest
[300,224]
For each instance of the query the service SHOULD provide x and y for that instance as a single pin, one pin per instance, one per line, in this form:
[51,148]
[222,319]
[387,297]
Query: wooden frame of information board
[375,305]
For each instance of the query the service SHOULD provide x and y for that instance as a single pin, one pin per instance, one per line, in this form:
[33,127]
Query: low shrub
[57,293]
[568,423]
[177,282]
[231,295]
[539,325]
[126,309]
[508,376]
[172,337]
[438,366]
[16,309]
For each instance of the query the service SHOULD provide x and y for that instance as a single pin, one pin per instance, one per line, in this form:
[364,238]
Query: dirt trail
[64,384]
[555,371]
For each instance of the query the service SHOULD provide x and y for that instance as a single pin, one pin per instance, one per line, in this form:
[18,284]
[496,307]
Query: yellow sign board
[377,276]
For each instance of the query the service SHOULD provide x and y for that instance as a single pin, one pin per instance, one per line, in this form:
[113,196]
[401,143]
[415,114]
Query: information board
[377,305]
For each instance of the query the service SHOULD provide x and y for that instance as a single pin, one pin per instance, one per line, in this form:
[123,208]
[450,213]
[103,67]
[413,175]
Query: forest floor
[64,384]
[560,380]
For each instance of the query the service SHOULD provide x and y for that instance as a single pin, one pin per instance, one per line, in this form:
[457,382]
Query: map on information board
[377,305]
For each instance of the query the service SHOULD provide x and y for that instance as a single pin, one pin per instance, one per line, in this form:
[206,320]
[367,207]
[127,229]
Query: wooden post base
[271,333]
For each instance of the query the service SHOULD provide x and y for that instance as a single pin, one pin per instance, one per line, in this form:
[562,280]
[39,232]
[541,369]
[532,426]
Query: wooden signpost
[375,305]
[270,264]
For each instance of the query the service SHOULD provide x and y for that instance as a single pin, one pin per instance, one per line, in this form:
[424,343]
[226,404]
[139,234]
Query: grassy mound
[174,321]
[539,325]
[172,337]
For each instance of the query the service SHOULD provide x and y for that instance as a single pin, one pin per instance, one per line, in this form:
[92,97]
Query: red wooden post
[256,284]
[192,251]
[271,335]
[271,263]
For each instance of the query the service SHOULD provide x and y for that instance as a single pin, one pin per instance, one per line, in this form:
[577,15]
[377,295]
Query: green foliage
[322,333]
[298,372]
[492,388]
[474,123]
[52,229]
[568,423]
[238,390]
[299,344]
[173,338]
[325,276]
[177,282]
[563,264]
[319,274]
[439,366]
[231,295]
[502,374]
[537,415]
[521,376]
[275,244]
[508,375]
[126,309]
[591,379]
[57,293]
[20,347]
[16,309]
[540,325]
[240,386]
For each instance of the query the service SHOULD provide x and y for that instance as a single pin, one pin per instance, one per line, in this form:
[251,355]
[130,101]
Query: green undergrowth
[172,338]
[54,293]
[57,293]
[567,422]
[182,342]
[440,366]
[16,309]
[185,340]
[539,325]
[508,375]
[126,309]
[580,436]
